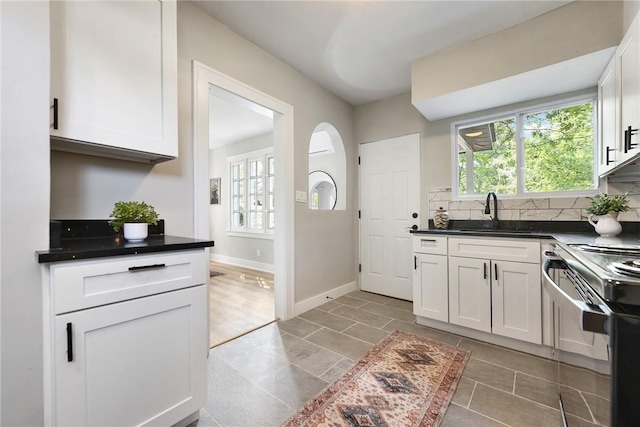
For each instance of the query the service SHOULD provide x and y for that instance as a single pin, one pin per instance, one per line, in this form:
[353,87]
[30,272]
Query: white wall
[24,190]
[235,247]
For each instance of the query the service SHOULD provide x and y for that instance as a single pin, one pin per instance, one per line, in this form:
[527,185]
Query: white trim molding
[245,263]
[203,78]
[322,298]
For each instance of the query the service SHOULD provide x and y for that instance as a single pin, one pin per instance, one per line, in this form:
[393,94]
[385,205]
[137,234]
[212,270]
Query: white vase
[607,224]
[136,231]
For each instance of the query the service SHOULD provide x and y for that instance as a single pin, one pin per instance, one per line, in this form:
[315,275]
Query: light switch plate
[301,196]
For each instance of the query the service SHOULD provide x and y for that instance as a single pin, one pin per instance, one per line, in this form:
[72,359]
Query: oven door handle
[592,318]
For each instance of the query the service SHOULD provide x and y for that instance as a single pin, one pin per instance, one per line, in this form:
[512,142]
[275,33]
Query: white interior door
[389,196]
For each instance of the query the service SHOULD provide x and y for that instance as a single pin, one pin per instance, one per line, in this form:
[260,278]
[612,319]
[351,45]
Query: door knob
[414,227]
[414,215]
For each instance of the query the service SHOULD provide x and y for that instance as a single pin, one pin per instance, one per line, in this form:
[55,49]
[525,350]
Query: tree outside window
[546,151]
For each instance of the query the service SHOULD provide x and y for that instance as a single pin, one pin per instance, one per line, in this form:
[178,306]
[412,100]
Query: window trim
[591,96]
[246,231]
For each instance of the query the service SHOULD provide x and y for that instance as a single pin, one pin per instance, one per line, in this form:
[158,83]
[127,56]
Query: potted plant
[606,208]
[135,218]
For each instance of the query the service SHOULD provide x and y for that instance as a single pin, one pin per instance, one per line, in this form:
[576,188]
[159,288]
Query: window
[252,204]
[537,151]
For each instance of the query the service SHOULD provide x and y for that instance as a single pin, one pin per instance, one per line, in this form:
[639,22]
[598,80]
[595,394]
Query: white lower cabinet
[470,293]
[139,361]
[430,287]
[500,297]
[489,285]
[516,301]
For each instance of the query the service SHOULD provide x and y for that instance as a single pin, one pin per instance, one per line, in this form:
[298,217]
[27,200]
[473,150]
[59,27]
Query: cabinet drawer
[498,249]
[78,285]
[427,244]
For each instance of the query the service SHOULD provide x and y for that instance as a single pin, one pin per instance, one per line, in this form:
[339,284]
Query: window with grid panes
[252,192]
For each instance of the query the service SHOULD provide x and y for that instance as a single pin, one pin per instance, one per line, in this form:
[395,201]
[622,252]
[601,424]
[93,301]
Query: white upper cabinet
[114,78]
[619,105]
[628,58]
[608,128]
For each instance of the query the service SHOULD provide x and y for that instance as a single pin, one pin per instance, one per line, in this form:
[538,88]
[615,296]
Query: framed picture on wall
[214,190]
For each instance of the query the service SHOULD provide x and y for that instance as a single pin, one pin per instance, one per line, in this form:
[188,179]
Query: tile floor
[262,378]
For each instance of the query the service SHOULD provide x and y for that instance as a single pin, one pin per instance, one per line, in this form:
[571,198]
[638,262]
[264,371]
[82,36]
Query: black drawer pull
[55,113]
[147,267]
[69,343]
[608,160]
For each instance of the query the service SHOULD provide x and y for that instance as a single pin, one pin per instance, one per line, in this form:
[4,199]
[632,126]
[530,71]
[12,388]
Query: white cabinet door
[139,362]
[516,297]
[430,287]
[470,293]
[114,74]
[628,62]
[608,125]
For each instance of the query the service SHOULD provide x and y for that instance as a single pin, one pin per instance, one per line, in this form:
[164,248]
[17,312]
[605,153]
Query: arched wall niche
[327,155]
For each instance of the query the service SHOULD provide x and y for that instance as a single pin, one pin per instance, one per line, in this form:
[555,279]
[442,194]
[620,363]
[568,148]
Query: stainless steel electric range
[601,285]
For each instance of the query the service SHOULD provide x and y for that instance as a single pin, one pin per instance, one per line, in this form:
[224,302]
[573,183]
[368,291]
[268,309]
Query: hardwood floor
[240,299]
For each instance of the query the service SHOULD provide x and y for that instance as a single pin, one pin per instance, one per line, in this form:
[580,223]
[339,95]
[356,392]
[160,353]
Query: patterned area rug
[406,380]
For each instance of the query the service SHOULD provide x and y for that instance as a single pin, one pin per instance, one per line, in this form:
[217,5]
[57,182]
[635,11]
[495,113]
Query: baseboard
[514,344]
[254,265]
[320,299]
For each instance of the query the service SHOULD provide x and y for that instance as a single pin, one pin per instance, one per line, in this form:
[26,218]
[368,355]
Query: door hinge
[359,268]
[358,159]
[359,214]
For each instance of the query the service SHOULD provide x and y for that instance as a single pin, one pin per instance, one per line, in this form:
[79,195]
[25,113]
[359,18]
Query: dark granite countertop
[563,231]
[85,239]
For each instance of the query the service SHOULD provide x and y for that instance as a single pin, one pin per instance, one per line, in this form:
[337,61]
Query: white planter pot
[607,225]
[136,232]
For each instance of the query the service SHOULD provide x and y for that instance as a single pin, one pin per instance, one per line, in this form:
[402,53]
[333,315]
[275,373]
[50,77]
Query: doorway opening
[204,79]
[241,215]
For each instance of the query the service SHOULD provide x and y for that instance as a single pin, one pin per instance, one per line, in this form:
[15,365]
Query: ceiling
[233,118]
[362,50]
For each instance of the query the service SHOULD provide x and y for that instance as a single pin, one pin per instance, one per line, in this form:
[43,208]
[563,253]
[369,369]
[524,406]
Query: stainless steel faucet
[487,210]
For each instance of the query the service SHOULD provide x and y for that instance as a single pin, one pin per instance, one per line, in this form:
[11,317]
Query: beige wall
[396,116]
[323,243]
[568,32]
[87,187]
[631,9]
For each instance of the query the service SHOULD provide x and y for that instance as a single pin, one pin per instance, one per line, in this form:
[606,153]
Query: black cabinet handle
[415,262]
[485,271]
[69,343]
[607,159]
[495,269]
[628,145]
[147,267]
[55,113]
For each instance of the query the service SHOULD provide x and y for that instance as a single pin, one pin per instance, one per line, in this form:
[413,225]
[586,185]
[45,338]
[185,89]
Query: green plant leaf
[132,212]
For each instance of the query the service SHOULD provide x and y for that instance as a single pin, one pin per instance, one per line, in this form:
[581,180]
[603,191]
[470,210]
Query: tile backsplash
[538,209]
